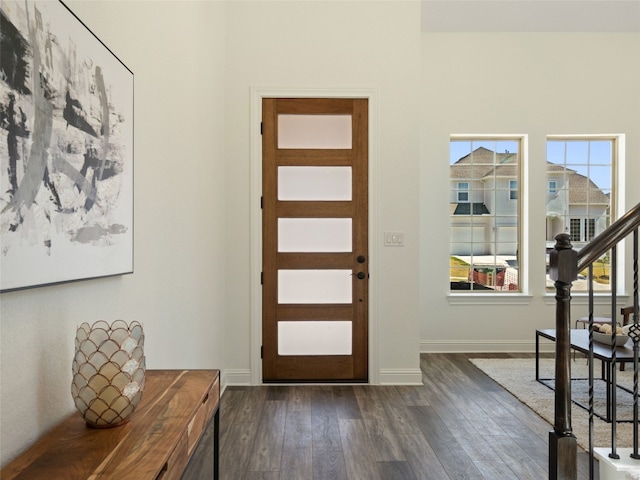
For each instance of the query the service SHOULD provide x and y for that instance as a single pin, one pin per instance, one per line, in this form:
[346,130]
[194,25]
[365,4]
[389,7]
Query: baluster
[590,360]
[612,366]
[634,332]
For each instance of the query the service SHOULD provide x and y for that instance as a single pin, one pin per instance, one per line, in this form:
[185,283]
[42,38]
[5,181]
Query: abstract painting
[66,150]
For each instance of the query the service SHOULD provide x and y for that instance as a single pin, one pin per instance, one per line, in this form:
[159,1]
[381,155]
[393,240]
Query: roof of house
[469,208]
[483,163]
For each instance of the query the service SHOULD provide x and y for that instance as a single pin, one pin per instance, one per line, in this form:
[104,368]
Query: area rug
[517,375]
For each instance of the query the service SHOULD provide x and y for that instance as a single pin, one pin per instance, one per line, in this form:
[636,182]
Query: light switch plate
[393,239]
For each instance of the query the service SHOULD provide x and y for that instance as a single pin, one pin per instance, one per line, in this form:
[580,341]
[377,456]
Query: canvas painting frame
[66,150]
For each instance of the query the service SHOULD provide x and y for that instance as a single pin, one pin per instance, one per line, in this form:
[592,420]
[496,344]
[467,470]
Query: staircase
[565,263]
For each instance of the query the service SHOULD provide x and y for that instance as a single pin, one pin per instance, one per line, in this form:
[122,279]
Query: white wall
[514,83]
[176,51]
[331,45]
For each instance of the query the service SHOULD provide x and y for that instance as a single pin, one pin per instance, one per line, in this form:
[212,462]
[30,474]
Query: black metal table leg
[216,447]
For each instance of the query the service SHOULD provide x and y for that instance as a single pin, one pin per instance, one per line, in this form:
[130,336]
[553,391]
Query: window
[582,229]
[580,169]
[485,176]
[463,192]
[590,227]
[575,229]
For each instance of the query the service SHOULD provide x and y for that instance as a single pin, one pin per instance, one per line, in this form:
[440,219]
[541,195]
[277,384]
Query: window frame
[463,190]
[616,201]
[519,294]
[513,191]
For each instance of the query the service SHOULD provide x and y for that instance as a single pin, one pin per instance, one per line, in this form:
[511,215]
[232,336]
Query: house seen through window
[485,179]
[580,202]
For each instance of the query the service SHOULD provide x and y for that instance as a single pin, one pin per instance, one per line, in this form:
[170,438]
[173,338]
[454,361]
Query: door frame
[257,94]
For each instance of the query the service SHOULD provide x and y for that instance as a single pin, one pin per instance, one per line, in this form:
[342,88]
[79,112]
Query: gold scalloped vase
[108,372]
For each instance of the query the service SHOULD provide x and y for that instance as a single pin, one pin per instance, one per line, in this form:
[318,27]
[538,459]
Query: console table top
[139,449]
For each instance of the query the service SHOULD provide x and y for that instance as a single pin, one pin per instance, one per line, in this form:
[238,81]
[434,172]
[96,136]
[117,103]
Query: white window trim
[523,297]
[463,190]
[618,189]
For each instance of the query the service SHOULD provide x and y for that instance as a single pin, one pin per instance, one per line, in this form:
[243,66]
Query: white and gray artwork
[66,150]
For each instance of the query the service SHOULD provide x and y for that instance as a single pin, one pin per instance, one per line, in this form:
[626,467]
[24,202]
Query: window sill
[489,299]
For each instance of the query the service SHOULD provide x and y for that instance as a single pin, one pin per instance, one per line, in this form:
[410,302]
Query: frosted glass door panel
[314,131]
[317,235]
[314,183]
[314,338]
[314,286]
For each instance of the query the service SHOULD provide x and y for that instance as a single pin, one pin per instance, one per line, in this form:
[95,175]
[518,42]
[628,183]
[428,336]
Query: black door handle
[360,275]
[361,259]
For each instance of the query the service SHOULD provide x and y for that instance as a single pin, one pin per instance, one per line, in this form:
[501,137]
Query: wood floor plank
[423,460]
[322,400]
[237,450]
[299,399]
[228,404]
[396,410]
[527,469]
[267,447]
[491,470]
[476,445]
[250,408]
[298,431]
[325,432]
[328,464]
[261,476]
[511,452]
[358,450]
[396,471]
[297,463]
[371,409]
[387,448]
[346,402]
[379,424]
[277,392]
[444,443]
[297,449]
[413,396]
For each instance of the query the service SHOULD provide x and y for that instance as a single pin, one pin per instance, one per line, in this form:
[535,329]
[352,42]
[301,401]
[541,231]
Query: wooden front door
[315,239]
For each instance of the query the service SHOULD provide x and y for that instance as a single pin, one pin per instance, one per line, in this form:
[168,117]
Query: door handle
[361,259]
[360,275]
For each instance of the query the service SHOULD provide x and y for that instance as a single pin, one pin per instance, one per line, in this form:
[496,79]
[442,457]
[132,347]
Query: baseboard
[236,377]
[470,346]
[400,376]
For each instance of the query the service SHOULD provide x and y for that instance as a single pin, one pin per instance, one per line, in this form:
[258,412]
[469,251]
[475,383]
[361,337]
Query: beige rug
[517,375]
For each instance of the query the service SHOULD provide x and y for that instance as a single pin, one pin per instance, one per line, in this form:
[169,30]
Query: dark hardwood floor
[459,425]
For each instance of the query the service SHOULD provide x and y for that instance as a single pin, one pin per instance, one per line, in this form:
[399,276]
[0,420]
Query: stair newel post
[563,447]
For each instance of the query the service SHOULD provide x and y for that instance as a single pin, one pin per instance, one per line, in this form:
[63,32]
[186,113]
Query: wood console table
[156,444]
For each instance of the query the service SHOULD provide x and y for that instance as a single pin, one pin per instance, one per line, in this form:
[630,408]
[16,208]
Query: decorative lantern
[108,372]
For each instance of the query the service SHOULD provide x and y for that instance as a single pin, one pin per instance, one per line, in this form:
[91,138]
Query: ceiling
[531,16]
